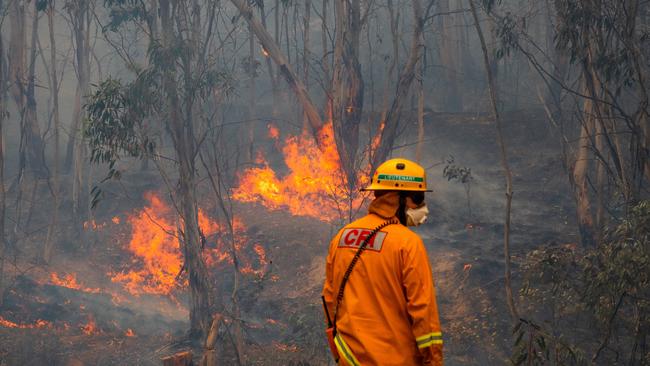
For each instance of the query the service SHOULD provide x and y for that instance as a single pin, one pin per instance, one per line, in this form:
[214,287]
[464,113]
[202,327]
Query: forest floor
[282,309]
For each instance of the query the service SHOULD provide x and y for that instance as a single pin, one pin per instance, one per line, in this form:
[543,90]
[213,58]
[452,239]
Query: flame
[157,253]
[315,185]
[223,251]
[38,324]
[376,140]
[154,248]
[70,281]
[90,328]
[129,333]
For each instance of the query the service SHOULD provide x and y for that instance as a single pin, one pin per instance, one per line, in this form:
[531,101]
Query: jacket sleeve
[421,302]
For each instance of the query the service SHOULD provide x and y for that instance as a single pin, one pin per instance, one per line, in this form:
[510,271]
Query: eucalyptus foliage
[604,292]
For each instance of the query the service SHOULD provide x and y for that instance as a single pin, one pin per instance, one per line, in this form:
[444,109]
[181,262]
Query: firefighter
[379,296]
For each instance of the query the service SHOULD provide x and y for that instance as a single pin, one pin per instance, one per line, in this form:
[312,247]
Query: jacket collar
[385,206]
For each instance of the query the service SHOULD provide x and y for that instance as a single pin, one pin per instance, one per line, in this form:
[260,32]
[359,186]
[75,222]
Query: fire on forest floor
[121,300]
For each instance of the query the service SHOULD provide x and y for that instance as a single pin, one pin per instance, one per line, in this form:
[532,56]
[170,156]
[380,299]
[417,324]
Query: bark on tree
[3,111]
[305,52]
[180,359]
[394,31]
[579,175]
[80,17]
[420,94]
[389,133]
[284,67]
[210,348]
[22,86]
[326,55]
[600,184]
[180,125]
[269,64]
[560,66]
[31,129]
[451,98]
[54,91]
[504,163]
[347,85]
[251,102]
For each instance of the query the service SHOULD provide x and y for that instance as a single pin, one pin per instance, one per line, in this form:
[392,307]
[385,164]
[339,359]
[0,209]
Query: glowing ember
[129,333]
[70,281]
[315,185]
[92,224]
[274,132]
[285,347]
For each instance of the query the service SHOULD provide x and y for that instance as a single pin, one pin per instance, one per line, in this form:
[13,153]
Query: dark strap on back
[355,259]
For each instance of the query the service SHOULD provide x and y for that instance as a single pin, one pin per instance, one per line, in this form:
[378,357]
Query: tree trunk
[600,183]
[420,94]
[79,15]
[251,102]
[269,65]
[389,133]
[579,176]
[210,356]
[451,98]
[504,164]
[347,85]
[3,110]
[54,91]
[326,56]
[394,31]
[181,128]
[80,18]
[16,53]
[200,299]
[285,68]
[305,53]
[33,140]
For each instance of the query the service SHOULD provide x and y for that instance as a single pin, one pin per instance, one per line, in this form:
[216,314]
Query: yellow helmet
[398,175]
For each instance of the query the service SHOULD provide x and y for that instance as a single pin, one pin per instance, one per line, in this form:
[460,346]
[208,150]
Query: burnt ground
[282,309]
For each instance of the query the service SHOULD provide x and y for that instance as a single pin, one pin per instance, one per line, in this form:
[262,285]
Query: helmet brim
[370,189]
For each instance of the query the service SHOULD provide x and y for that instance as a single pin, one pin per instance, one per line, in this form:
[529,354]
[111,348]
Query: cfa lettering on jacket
[353,238]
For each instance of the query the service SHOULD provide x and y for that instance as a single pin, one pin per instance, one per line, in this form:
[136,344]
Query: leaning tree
[175,89]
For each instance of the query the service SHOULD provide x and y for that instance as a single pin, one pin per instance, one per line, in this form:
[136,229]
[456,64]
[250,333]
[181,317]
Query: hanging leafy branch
[610,282]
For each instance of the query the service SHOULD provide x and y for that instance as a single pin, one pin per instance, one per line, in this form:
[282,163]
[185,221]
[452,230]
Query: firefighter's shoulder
[404,235]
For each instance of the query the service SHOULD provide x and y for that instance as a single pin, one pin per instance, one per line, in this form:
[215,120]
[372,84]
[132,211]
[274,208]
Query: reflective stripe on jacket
[388,315]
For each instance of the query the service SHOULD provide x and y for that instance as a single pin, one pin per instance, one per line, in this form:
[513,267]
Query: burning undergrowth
[155,244]
[315,185]
[141,290]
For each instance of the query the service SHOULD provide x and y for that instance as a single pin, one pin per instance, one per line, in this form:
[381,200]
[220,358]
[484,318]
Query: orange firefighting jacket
[388,315]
